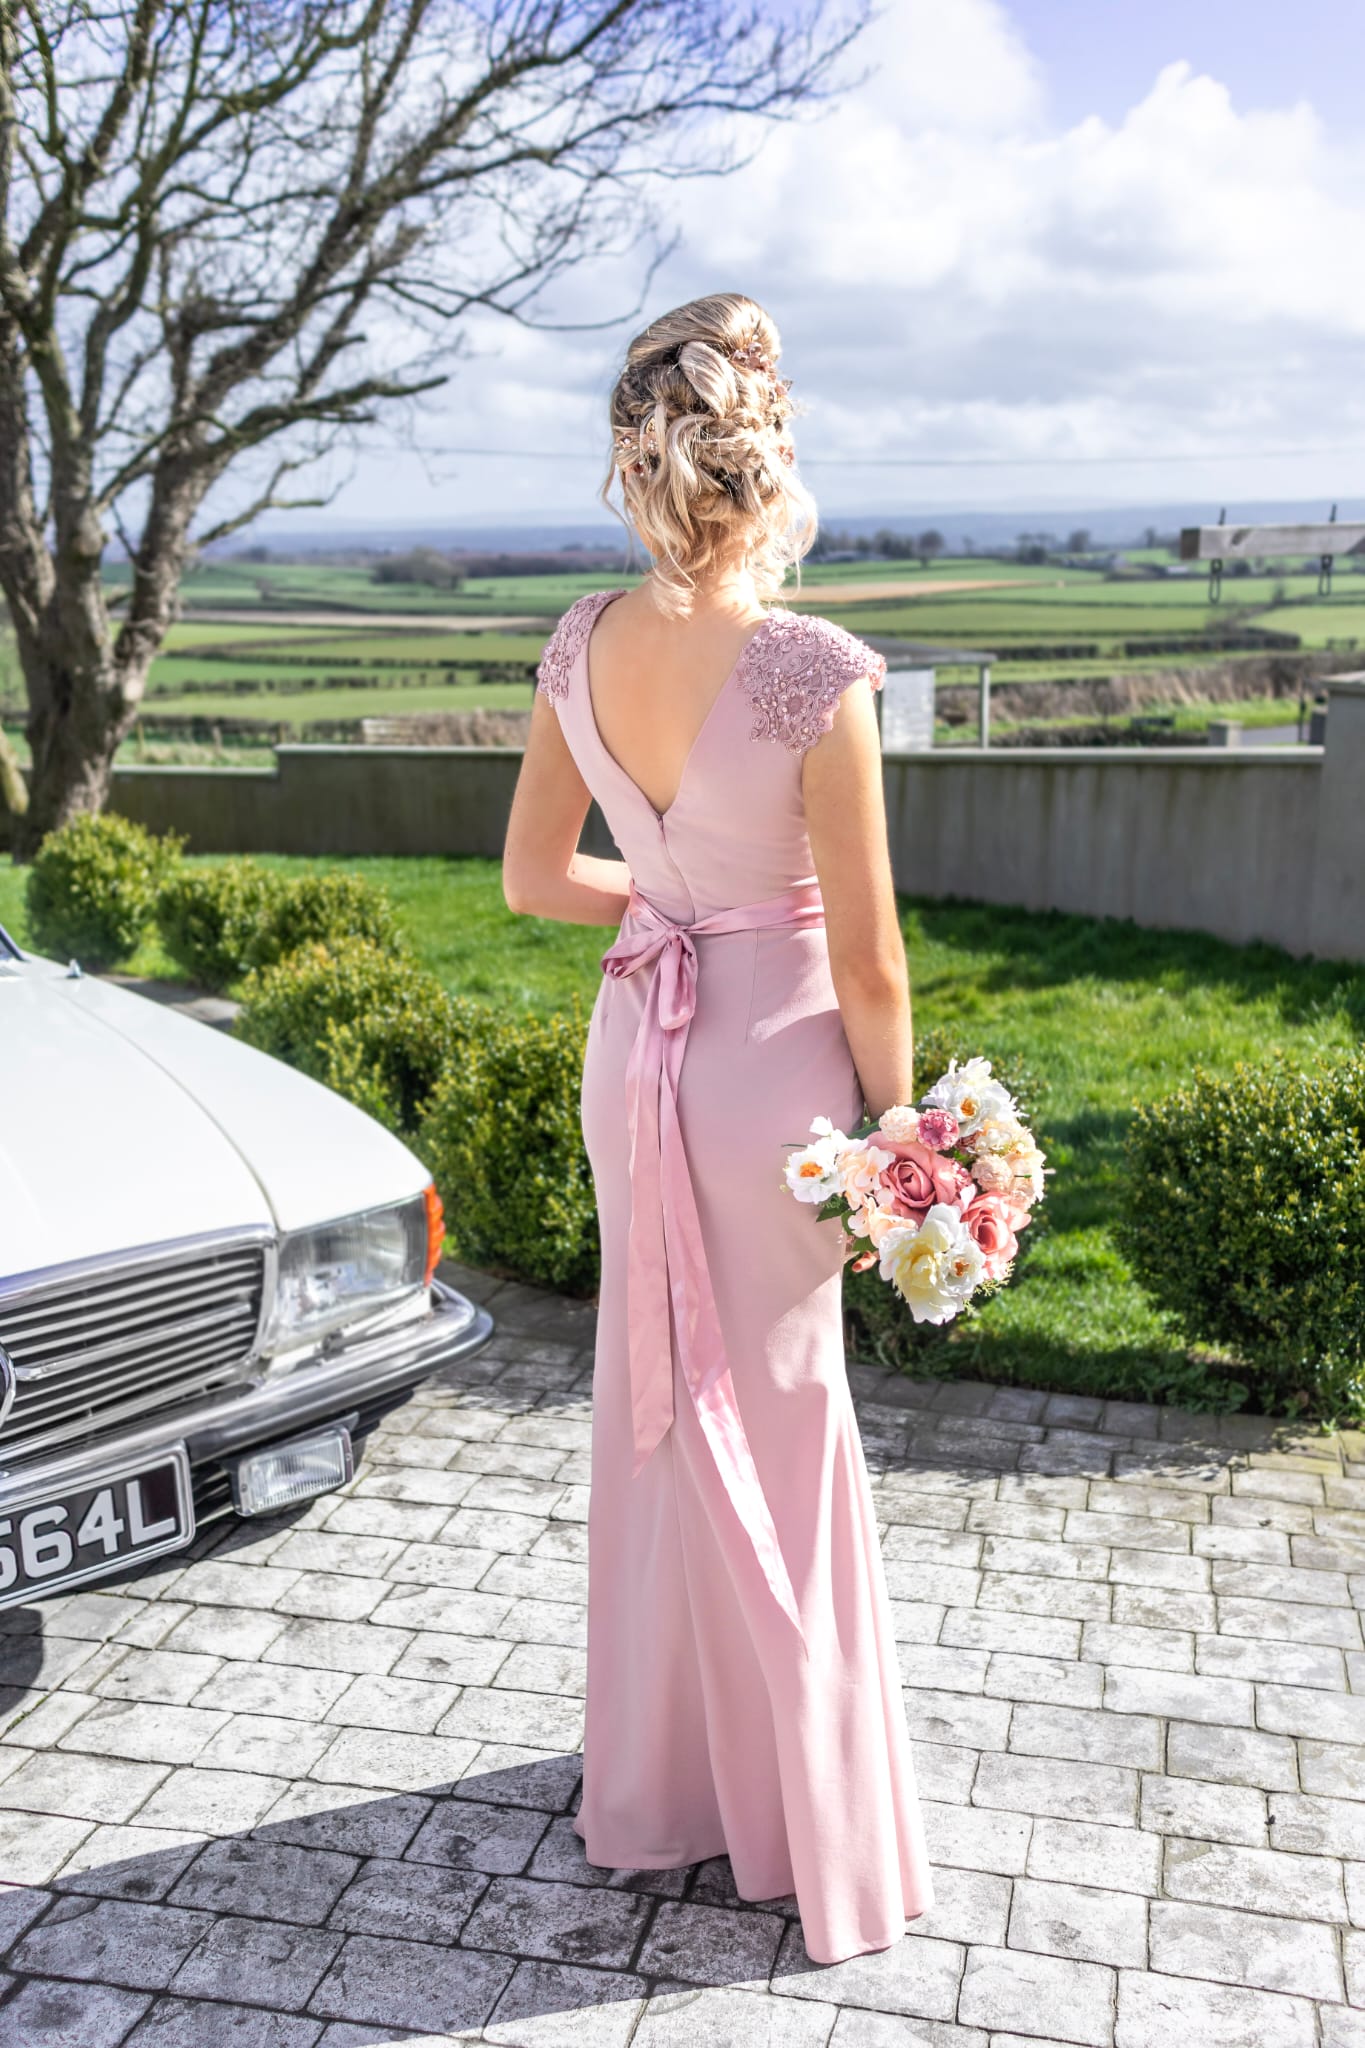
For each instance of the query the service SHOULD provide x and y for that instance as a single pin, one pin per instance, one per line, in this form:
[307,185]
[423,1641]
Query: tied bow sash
[666,1268]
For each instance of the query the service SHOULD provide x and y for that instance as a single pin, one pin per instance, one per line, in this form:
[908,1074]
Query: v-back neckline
[723,692]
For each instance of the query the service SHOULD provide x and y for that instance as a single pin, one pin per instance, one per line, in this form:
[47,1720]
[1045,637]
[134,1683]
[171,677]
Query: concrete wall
[1217,841]
[346,799]
[1247,843]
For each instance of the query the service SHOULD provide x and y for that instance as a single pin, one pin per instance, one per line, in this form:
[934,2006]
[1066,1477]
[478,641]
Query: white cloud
[954,277]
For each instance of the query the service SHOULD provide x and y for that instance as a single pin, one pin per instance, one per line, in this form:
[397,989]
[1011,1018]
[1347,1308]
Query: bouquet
[936,1195]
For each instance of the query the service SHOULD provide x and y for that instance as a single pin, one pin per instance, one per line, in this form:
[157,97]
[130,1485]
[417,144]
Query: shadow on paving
[468,1908]
[431,1912]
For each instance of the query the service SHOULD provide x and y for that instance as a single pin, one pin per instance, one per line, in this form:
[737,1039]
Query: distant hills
[1107,525]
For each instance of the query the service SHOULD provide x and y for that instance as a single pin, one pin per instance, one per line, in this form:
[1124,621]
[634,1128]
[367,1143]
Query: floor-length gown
[743,1692]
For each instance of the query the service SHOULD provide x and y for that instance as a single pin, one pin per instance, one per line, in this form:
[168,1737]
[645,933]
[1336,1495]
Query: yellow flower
[937,1267]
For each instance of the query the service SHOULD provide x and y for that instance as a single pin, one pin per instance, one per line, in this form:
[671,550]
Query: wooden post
[984,703]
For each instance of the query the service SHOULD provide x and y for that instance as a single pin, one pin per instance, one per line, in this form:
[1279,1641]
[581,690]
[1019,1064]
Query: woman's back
[697,765]
[653,681]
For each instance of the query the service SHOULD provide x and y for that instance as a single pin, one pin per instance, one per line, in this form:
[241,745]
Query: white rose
[937,1267]
[969,1094]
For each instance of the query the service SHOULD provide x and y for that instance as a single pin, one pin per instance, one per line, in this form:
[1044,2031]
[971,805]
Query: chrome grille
[96,1348]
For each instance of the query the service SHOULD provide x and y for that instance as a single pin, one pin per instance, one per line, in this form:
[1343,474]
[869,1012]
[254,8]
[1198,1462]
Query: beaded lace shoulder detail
[794,671]
[567,641]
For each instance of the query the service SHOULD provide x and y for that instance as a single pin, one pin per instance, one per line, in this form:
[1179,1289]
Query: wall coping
[134,768]
[1292,755]
[1279,756]
[358,748]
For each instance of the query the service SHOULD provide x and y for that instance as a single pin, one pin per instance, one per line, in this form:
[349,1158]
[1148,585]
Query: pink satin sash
[666,1258]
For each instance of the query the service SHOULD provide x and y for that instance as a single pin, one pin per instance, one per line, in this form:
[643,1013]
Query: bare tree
[234,230]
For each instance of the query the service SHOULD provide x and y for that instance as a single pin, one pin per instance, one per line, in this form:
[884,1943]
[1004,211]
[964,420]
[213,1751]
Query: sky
[1048,252]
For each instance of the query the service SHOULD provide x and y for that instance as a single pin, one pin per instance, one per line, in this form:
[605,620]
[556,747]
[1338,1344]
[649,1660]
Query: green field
[385,658]
[1105,1012]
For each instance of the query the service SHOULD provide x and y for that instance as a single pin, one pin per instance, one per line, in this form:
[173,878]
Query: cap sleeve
[566,643]
[799,670]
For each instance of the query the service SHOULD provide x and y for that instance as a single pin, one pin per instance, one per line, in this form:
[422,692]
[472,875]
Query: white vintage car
[214,1276]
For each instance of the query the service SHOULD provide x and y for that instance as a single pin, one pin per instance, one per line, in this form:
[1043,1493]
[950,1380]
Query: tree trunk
[77,719]
[13,788]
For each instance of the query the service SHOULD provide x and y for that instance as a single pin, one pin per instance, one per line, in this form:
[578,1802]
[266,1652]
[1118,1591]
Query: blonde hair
[701,443]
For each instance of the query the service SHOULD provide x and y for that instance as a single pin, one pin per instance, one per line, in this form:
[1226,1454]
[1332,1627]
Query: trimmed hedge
[329,909]
[491,1104]
[1243,1215]
[93,887]
[209,916]
[504,1140]
[363,1020]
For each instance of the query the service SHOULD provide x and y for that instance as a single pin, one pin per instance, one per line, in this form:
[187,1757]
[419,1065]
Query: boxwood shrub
[327,908]
[208,917]
[1243,1214]
[93,886]
[365,1021]
[504,1140]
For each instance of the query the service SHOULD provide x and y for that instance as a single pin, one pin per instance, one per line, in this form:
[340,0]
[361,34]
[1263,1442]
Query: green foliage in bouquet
[208,917]
[93,887]
[355,1016]
[503,1137]
[1243,1215]
[877,1323]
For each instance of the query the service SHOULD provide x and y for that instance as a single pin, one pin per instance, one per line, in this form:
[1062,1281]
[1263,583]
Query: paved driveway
[313,1788]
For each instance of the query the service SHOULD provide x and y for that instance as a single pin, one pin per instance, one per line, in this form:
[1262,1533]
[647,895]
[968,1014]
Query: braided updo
[702,444]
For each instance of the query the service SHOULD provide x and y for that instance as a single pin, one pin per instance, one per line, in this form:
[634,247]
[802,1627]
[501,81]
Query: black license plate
[60,1536]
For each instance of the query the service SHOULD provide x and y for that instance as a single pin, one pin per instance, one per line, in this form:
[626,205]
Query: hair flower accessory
[753,357]
[636,450]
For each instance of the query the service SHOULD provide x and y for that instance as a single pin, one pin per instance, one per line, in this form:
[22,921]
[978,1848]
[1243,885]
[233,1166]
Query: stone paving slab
[310,1784]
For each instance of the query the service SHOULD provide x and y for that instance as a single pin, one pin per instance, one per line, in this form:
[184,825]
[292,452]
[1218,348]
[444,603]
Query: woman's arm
[846,817]
[542,873]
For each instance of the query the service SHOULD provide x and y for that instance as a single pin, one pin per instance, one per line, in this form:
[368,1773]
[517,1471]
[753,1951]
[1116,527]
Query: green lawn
[1107,1013]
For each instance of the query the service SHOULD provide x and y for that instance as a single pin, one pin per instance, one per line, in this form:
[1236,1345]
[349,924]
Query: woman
[743,1695]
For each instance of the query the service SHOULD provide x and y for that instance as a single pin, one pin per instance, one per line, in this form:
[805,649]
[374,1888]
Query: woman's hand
[846,818]
[543,874]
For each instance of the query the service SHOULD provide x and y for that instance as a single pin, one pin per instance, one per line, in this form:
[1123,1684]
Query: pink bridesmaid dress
[743,1692]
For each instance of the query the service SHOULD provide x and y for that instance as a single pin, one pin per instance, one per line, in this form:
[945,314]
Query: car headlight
[335,1272]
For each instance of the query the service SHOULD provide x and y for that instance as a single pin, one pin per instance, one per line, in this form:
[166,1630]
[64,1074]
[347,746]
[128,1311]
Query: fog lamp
[277,1476]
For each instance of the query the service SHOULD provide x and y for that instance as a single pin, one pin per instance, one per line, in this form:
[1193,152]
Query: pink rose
[992,1220]
[938,1128]
[918,1177]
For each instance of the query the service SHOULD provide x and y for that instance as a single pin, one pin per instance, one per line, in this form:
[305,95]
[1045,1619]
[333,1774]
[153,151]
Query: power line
[953,461]
[1066,461]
